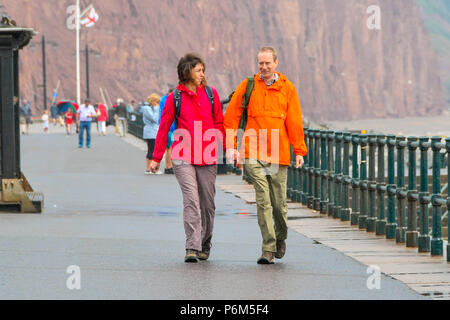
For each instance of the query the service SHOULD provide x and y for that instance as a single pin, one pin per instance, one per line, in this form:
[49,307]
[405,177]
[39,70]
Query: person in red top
[69,121]
[199,134]
[102,118]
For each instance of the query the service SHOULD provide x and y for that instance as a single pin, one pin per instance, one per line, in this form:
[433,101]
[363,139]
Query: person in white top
[85,114]
[45,121]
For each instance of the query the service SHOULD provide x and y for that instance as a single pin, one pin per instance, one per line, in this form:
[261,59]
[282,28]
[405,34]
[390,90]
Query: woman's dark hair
[185,66]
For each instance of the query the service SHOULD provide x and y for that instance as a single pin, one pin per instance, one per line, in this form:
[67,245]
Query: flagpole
[78,51]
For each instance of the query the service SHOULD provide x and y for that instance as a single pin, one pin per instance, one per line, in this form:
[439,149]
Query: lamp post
[44,64]
[97,55]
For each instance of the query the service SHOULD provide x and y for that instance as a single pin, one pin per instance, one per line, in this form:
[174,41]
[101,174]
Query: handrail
[324,184]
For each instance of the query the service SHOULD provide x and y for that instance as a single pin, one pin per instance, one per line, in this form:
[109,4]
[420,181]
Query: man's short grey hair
[270,49]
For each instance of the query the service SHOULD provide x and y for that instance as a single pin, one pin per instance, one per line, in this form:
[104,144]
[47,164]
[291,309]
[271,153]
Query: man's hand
[154,166]
[232,155]
[299,161]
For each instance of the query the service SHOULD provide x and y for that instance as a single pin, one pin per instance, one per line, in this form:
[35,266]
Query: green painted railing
[381,200]
[135,124]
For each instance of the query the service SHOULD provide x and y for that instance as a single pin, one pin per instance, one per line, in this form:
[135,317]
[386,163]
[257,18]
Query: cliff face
[342,70]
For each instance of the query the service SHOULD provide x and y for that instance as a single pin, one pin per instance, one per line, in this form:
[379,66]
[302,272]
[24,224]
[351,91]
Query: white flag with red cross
[91,19]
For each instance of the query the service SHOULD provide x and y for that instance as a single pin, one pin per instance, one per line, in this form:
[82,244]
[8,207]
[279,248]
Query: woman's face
[197,75]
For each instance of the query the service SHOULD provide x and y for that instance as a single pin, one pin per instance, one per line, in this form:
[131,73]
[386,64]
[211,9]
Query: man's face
[267,65]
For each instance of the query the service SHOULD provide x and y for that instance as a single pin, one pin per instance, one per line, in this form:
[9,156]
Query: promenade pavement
[124,230]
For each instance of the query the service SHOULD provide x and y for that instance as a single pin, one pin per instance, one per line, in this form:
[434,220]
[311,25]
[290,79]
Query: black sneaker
[168,171]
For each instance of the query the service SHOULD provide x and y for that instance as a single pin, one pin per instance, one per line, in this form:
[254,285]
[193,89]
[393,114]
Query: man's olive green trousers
[270,182]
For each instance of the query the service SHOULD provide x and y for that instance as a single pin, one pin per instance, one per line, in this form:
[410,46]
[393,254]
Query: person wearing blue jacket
[168,153]
[151,116]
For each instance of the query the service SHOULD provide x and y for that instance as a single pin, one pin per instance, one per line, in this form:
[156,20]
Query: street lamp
[44,64]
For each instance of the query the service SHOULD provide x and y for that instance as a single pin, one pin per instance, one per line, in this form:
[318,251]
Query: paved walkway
[429,276]
[124,231]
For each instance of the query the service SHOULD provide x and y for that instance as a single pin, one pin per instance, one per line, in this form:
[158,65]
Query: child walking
[45,121]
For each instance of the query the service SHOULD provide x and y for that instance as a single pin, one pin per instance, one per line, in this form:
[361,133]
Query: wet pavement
[124,230]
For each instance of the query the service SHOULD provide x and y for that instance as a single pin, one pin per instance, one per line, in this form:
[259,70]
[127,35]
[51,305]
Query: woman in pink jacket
[198,135]
[102,118]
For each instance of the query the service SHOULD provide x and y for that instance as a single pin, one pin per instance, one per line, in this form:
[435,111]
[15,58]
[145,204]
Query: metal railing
[135,124]
[350,177]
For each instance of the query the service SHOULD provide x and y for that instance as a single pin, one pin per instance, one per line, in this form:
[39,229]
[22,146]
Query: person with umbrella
[85,114]
[68,109]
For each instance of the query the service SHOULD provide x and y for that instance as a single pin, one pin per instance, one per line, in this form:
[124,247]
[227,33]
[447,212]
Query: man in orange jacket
[274,124]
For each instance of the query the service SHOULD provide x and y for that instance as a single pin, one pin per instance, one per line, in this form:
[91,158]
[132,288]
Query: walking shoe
[80,146]
[266,258]
[168,171]
[191,256]
[206,249]
[148,172]
[281,249]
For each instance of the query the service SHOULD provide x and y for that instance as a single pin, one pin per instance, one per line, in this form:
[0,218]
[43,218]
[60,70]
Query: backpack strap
[248,92]
[210,94]
[245,102]
[177,104]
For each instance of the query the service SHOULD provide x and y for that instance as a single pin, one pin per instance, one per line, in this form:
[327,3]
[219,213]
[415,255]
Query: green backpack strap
[245,102]
[248,92]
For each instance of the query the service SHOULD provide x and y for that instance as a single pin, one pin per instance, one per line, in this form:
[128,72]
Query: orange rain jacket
[271,107]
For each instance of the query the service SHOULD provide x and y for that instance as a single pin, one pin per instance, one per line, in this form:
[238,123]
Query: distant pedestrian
[45,121]
[85,114]
[168,152]
[121,114]
[195,163]
[53,113]
[69,121]
[150,115]
[25,116]
[102,118]
[114,115]
[131,107]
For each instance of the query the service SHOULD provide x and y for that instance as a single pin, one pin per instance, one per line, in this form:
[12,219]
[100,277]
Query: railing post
[424,197]
[436,240]
[317,179]
[323,172]
[330,154]
[338,175]
[289,186]
[391,224]
[304,174]
[362,219]
[355,181]
[310,198]
[371,217]
[412,195]
[401,192]
[380,228]
[297,183]
[447,146]
[345,211]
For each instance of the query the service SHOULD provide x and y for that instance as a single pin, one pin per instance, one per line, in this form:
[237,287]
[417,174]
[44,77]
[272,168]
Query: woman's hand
[154,166]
